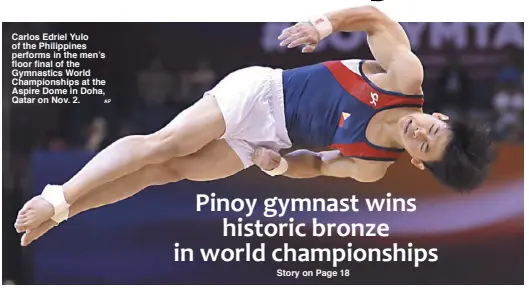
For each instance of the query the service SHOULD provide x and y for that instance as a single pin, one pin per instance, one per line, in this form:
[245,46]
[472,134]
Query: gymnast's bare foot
[35,212]
[34,234]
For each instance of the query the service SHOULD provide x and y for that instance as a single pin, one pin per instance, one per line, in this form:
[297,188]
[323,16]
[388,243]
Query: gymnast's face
[425,137]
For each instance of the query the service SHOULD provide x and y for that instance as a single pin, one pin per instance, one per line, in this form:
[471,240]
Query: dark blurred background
[155,70]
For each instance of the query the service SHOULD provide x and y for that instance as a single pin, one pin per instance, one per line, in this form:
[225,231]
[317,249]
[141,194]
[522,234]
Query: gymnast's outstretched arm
[387,41]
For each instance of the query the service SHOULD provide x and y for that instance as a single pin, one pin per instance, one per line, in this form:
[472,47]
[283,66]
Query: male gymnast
[367,112]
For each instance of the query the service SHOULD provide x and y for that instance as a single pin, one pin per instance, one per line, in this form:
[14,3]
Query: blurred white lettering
[509,34]
[440,33]
[482,34]
[423,36]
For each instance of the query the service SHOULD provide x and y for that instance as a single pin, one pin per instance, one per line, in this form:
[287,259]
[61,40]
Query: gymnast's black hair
[467,158]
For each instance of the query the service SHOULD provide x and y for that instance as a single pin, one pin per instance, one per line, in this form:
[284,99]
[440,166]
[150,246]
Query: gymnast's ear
[417,163]
[440,116]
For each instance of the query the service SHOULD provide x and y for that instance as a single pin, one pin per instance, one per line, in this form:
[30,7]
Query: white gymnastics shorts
[252,104]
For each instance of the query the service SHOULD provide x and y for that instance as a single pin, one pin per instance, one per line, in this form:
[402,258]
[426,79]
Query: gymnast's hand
[303,33]
[266,159]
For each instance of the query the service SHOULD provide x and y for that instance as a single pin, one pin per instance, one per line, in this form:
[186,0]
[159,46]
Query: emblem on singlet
[343,117]
[374,99]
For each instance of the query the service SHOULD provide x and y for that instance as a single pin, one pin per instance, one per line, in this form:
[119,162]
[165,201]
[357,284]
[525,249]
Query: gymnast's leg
[216,160]
[187,133]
